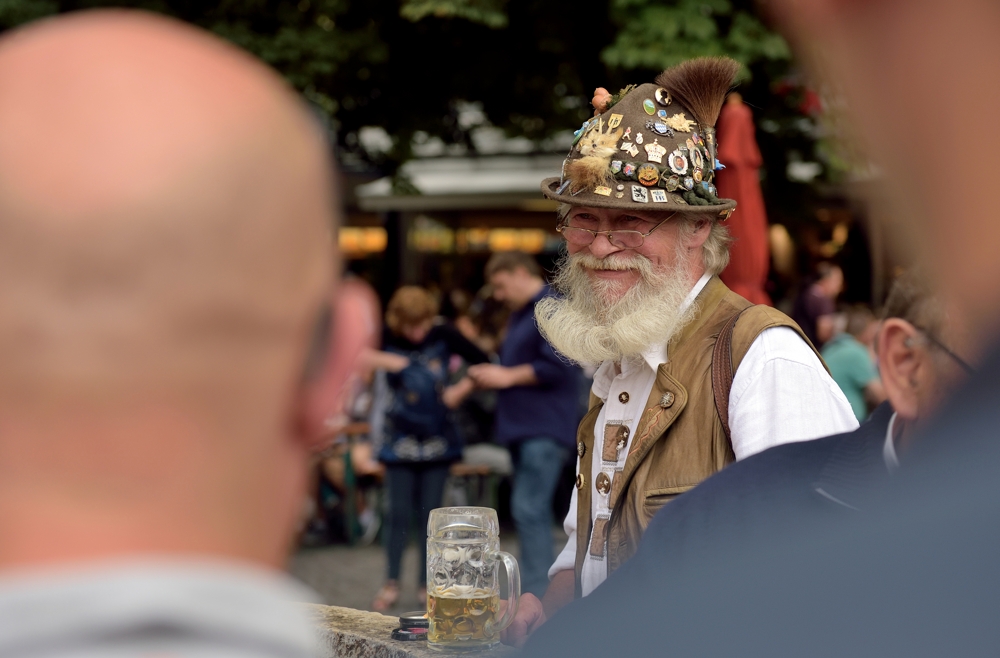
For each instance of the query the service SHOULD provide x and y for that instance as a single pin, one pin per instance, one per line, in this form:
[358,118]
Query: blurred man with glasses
[641,301]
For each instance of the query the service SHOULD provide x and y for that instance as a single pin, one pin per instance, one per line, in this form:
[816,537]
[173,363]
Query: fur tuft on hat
[701,85]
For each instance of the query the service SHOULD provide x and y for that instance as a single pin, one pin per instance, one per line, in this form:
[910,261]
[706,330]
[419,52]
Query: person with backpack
[414,433]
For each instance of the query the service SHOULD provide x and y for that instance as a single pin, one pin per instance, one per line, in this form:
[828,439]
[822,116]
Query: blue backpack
[417,426]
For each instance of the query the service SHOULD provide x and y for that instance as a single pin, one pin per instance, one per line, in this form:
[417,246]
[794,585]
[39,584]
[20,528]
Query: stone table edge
[350,633]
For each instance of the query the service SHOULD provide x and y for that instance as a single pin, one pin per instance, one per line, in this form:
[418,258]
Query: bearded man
[690,376]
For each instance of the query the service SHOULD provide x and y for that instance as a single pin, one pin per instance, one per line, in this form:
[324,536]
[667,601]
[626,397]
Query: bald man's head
[163,200]
[165,252]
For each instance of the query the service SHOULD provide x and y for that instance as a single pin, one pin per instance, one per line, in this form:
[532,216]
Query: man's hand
[529,617]
[490,375]
[379,360]
[601,98]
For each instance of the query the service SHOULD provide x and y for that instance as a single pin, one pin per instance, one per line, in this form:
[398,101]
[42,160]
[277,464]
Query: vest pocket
[655,499]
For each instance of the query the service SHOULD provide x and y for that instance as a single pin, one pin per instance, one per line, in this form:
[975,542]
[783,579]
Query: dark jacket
[771,490]
[549,408]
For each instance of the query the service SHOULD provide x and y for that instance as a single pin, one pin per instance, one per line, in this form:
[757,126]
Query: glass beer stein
[463,580]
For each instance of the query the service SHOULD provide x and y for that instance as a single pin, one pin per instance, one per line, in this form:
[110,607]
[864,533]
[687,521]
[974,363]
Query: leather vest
[679,440]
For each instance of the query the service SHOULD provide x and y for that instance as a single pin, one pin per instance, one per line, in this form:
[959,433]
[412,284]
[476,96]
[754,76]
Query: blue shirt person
[537,410]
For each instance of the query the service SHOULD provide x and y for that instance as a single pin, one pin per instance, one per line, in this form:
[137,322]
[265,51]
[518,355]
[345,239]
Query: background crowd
[486,439]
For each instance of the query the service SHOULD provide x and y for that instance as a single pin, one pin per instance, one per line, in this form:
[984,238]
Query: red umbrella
[750,257]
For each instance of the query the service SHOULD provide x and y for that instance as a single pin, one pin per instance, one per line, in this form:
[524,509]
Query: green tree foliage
[531,64]
[488,12]
[654,34]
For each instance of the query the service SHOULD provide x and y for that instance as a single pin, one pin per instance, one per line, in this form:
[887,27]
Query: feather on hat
[701,85]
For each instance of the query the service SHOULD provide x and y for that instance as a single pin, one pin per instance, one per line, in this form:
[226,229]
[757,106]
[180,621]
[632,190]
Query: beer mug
[463,580]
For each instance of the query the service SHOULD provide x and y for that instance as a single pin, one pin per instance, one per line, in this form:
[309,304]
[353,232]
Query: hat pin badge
[655,152]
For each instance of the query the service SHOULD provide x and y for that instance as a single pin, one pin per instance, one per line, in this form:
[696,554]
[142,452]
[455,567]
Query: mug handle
[513,590]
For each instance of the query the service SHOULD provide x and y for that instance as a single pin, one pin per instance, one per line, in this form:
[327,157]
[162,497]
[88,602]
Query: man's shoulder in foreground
[181,607]
[764,489]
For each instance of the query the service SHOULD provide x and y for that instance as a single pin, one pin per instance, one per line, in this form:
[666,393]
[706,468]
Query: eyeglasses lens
[623,239]
[626,239]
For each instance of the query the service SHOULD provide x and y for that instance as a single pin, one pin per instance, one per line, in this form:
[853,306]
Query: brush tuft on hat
[701,85]
[597,146]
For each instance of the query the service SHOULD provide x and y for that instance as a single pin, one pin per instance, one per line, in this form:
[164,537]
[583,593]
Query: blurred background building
[446,113]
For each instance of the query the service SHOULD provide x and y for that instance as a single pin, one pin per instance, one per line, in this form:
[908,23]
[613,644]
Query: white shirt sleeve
[781,393]
[567,556]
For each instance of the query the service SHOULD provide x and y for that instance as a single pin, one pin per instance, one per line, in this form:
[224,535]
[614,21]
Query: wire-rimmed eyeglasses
[931,338]
[623,238]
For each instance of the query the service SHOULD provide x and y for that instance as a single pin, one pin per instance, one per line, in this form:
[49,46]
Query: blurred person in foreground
[816,306]
[168,344]
[768,494]
[416,436]
[916,574]
[536,413]
[848,356]
[691,376]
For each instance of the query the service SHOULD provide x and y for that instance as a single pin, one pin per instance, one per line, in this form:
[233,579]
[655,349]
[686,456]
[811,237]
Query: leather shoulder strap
[726,356]
[722,371]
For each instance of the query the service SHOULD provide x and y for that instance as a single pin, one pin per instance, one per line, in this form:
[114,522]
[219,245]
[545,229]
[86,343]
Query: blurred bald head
[165,252]
[162,197]
[917,77]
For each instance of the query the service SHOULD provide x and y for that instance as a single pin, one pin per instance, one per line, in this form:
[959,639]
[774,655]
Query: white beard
[592,322]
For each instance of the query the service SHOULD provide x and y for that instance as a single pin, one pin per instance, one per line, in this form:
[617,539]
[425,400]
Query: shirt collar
[889,448]
[238,603]
[652,357]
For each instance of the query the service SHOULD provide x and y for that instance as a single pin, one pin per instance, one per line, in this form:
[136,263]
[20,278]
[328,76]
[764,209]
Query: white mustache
[597,320]
[613,262]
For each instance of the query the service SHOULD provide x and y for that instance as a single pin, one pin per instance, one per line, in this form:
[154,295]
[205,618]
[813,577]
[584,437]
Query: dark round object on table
[409,634]
[416,619]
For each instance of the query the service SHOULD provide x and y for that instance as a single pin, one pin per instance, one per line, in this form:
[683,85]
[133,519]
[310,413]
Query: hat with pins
[652,146]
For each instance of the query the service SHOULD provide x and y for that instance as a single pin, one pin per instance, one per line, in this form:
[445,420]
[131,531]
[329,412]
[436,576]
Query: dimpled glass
[463,579]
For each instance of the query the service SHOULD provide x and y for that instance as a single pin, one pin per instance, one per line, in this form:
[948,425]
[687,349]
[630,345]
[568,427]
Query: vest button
[603,484]
[581,449]
[623,397]
[667,400]
[580,481]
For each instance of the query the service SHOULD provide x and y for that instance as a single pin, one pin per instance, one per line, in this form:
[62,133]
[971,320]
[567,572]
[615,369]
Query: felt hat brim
[550,187]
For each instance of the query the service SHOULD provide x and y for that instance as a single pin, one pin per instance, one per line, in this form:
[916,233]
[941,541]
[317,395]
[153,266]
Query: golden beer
[463,615]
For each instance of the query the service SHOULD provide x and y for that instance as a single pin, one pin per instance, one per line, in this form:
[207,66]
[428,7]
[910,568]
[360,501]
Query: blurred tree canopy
[409,65]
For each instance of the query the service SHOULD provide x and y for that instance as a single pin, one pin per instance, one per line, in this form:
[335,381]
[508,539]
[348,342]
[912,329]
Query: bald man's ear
[900,359]
[349,331]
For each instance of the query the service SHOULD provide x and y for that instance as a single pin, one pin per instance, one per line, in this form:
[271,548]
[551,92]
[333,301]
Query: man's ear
[900,359]
[696,238]
[353,327]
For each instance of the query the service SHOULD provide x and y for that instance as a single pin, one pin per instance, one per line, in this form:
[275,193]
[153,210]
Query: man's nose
[601,246]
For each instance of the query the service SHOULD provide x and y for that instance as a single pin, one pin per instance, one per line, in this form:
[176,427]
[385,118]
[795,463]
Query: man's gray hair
[715,251]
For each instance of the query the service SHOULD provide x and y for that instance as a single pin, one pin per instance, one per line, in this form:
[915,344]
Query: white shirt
[156,607]
[781,393]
